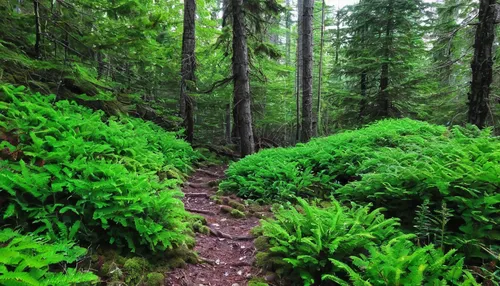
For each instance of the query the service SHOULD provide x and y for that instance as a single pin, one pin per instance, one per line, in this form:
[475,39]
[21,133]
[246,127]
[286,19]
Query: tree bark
[383,100]
[320,71]
[188,67]
[288,23]
[227,119]
[38,29]
[241,93]
[482,65]
[363,79]
[307,79]
[298,84]
[337,37]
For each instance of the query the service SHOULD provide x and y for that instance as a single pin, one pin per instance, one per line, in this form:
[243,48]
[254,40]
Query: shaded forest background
[124,56]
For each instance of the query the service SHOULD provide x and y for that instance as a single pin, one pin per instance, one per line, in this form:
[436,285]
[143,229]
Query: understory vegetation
[69,174]
[442,185]
[371,125]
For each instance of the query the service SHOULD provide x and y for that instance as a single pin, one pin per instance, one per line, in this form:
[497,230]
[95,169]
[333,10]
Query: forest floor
[228,251]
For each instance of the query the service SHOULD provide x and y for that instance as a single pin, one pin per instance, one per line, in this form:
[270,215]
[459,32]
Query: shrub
[395,164]
[400,262]
[68,172]
[302,240]
[319,245]
[30,260]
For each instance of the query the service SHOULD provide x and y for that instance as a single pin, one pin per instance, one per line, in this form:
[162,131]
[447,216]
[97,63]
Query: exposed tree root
[201,211]
[206,172]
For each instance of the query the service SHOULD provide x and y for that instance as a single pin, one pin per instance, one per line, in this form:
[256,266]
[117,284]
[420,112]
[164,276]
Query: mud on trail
[227,252]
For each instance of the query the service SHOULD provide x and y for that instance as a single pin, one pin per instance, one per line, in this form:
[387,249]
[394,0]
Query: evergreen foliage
[323,244]
[30,260]
[400,262]
[67,173]
[391,161]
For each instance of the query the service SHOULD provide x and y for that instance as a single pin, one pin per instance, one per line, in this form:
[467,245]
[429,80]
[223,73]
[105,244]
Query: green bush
[395,164]
[302,240]
[335,243]
[30,260]
[69,173]
[400,262]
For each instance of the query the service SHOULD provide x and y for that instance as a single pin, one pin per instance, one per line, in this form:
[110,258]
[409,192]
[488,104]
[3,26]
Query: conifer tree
[241,91]
[307,77]
[188,67]
[482,64]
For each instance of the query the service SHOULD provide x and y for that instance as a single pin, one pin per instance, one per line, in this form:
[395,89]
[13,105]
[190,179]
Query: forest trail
[228,250]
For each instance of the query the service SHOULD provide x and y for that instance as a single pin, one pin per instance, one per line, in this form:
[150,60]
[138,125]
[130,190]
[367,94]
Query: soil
[228,251]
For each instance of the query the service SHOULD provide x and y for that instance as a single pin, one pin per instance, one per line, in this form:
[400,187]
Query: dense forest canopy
[379,119]
[369,60]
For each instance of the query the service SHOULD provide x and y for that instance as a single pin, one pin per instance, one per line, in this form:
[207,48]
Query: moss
[237,213]
[155,279]
[257,231]
[105,269]
[112,256]
[175,262]
[112,270]
[257,282]
[236,205]
[214,183]
[254,207]
[199,218]
[226,209]
[259,215]
[204,229]
[261,259]
[217,199]
[267,261]
[135,269]
[261,243]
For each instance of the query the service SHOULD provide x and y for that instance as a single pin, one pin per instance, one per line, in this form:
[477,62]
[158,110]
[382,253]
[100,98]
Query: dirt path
[228,251]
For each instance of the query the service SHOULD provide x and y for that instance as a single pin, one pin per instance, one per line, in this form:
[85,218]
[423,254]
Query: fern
[307,236]
[80,177]
[400,262]
[30,260]
[394,164]
[423,223]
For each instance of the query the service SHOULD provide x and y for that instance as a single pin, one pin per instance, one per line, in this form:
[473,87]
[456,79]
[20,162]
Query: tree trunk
[288,23]
[482,65]
[307,79]
[38,29]
[320,72]
[298,84]
[227,119]
[337,38]
[383,100]
[241,93]
[188,67]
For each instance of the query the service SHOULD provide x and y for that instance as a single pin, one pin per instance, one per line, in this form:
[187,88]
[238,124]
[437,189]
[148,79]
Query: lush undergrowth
[444,184]
[330,244]
[27,260]
[68,173]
